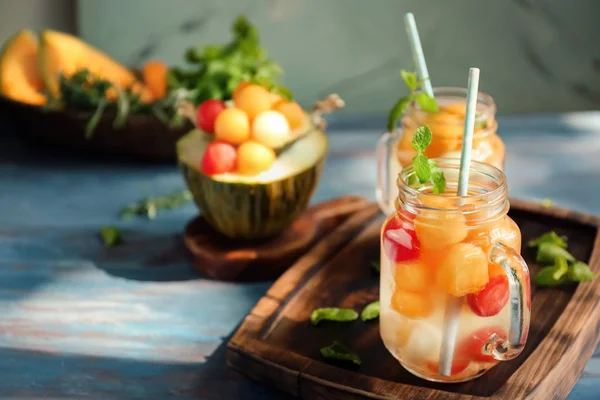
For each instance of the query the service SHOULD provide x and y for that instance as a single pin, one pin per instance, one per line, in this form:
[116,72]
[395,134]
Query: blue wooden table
[136,322]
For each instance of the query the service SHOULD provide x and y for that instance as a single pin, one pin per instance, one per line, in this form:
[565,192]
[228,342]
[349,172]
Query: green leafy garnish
[111,236]
[549,237]
[547,254]
[84,91]
[333,314]
[426,102]
[553,275]
[580,272]
[559,265]
[337,351]
[426,170]
[218,69]
[376,266]
[371,311]
[150,206]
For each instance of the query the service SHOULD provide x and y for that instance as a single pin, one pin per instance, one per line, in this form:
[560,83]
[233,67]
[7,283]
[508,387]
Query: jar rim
[488,110]
[496,195]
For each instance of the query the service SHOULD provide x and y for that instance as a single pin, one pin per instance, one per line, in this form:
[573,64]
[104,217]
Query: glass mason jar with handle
[440,245]
[395,151]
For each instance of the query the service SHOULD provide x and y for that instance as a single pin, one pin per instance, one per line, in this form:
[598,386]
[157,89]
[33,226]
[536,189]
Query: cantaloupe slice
[20,79]
[66,54]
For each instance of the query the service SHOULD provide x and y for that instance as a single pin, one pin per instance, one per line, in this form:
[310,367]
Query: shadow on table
[29,374]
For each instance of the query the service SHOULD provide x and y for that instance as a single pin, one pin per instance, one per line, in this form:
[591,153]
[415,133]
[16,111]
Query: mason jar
[439,250]
[395,151]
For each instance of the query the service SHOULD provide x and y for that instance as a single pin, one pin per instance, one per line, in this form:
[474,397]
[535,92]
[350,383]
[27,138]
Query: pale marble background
[535,55]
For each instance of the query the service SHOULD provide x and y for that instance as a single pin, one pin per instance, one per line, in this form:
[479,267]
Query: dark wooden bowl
[142,137]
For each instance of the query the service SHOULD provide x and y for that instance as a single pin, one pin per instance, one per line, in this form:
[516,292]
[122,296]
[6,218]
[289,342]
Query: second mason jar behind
[395,150]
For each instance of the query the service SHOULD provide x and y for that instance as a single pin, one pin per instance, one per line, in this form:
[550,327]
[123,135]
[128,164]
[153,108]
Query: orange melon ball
[270,128]
[292,112]
[232,126]
[254,99]
[238,89]
[254,158]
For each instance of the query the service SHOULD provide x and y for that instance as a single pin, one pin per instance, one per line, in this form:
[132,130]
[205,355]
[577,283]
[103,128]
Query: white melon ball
[270,128]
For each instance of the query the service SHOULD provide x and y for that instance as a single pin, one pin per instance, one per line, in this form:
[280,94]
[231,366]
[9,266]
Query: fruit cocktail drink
[437,245]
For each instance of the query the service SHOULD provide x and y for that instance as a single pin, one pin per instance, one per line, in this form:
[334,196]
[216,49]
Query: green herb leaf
[549,237]
[376,266]
[337,351]
[422,138]
[111,236]
[410,78]
[426,102]
[438,180]
[371,311]
[396,112]
[422,168]
[580,272]
[548,253]
[333,314]
[553,275]
[95,119]
[150,206]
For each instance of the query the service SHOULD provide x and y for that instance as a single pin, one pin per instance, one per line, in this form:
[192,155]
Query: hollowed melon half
[241,206]
[20,79]
[66,54]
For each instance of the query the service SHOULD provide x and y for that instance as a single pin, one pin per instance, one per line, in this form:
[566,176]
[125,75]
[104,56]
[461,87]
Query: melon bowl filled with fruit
[252,164]
[60,90]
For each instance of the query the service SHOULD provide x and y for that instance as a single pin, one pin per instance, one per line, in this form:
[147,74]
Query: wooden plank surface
[78,321]
[279,339]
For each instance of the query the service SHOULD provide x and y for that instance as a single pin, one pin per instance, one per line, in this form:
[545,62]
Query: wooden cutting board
[277,345]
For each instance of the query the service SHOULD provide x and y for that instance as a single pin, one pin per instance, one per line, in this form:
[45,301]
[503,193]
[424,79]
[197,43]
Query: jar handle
[519,301]
[383,154]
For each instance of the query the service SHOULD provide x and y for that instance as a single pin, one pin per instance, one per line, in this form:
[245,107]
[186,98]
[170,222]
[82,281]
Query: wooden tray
[277,345]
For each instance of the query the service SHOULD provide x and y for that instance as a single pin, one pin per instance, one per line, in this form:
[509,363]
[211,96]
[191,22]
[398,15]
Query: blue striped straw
[417,52]
[452,313]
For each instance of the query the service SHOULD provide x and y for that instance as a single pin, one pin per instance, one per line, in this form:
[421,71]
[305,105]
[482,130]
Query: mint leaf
[333,314]
[111,236]
[422,138]
[337,351]
[549,237]
[426,102]
[548,254]
[371,311]
[580,271]
[396,112]
[553,275]
[376,265]
[422,168]
[410,78]
[438,180]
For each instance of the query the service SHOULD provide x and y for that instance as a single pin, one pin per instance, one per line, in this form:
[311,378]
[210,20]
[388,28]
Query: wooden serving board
[277,345]
[223,258]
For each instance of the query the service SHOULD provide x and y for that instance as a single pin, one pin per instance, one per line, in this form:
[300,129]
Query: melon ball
[253,99]
[254,158]
[292,112]
[232,126]
[270,128]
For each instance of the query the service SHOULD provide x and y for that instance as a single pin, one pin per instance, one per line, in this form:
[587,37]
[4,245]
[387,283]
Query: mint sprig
[426,170]
[426,102]
[559,266]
